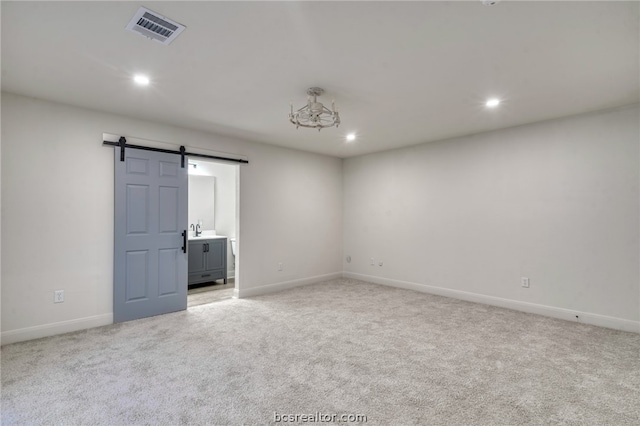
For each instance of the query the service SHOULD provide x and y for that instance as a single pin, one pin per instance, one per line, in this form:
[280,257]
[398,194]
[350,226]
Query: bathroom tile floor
[204,294]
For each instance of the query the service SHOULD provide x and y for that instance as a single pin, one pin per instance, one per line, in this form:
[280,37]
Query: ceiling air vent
[154,26]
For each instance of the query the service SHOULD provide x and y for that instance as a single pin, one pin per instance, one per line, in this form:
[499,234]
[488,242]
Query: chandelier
[315,115]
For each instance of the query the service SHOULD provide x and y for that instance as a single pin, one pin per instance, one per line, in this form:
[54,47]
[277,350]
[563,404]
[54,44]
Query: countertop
[207,237]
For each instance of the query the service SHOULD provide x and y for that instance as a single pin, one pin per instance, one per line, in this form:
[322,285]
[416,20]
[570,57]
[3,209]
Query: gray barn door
[150,264]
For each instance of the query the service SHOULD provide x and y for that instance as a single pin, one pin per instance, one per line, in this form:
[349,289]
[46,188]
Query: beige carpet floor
[344,347]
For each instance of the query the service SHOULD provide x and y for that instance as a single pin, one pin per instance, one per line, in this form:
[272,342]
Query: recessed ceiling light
[492,103]
[142,80]
[351,137]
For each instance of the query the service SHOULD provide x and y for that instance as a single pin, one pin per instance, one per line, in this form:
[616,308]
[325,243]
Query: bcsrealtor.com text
[318,417]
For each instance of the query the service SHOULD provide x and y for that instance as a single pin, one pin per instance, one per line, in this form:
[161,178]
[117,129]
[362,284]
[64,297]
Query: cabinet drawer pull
[206,275]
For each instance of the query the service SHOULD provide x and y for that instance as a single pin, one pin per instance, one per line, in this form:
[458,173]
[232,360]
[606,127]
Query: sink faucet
[198,231]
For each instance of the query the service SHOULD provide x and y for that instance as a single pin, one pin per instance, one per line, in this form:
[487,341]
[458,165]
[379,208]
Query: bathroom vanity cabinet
[207,260]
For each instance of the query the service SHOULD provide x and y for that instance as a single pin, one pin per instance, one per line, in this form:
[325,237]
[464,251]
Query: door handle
[206,247]
[184,241]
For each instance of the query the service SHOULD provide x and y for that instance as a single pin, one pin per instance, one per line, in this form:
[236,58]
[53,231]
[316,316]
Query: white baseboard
[38,331]
[272,288]
[532,308]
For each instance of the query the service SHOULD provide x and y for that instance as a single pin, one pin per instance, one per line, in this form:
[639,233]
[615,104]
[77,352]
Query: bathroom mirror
[202,199]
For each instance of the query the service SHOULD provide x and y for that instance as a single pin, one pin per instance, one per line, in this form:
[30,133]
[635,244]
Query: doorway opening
[213,218]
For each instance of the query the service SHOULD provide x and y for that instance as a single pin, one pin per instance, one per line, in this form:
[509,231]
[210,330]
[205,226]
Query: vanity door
[196,256]
[215,253]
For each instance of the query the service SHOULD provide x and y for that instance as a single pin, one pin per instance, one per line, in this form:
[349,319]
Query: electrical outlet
[373,262]
[524,281]
[58,296]
[280,266]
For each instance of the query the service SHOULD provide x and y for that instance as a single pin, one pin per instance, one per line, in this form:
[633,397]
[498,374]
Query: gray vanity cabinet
[207,260]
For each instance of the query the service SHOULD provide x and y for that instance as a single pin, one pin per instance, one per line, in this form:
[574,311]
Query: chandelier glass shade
[314,115]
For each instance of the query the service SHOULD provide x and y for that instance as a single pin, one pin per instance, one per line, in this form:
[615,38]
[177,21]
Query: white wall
[225,212]
[57,213]
[226,215]
[556,201]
